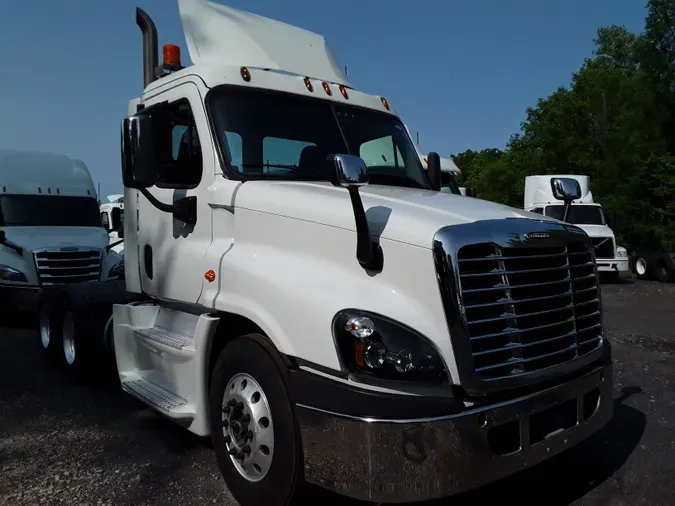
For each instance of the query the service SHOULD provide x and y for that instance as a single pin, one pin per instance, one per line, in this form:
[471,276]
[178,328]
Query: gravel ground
[65,444]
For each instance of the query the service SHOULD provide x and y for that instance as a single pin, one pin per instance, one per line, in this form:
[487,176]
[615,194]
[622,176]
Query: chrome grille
[528,308]
[604,247]
[57,267]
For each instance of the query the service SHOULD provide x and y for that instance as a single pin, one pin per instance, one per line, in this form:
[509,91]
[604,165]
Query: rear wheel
[254,428]
[49,335]
[662,273]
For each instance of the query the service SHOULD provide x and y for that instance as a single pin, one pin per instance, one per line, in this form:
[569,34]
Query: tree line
[615,122]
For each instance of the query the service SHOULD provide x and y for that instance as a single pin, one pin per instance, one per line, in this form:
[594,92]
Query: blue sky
[461,73]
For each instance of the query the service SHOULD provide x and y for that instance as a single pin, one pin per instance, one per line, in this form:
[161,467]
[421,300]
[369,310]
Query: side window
[105,220]
[182,167]
[282,155]
[538,210]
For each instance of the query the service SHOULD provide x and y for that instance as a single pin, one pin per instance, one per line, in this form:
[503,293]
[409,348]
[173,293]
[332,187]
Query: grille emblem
[537,235]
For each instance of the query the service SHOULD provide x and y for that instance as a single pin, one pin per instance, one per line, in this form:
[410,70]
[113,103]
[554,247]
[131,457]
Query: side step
[167,338]
[157,397]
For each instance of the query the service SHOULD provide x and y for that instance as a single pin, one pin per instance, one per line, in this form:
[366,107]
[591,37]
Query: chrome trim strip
[505,233]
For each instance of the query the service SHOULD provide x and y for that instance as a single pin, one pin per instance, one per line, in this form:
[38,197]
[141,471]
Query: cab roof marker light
[385,103]
[326,88]
[343,90]
[308,84]
[245,74]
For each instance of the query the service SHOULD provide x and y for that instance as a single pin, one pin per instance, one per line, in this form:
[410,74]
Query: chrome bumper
[418,459]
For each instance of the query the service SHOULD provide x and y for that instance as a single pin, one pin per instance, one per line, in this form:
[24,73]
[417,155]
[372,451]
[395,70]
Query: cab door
[171,251]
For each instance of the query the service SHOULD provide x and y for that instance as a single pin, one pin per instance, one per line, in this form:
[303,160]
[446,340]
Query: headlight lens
[372,345]
[117,270]
[10,274]
[621,252]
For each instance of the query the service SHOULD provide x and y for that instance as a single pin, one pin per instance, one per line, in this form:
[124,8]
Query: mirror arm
[184,210]
[368,252]
[111,246]
[566,210]
[11,245]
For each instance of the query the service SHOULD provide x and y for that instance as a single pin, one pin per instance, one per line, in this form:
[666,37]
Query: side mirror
[139,163]
[434,170]
[116,219]
[350,171]
[566,189]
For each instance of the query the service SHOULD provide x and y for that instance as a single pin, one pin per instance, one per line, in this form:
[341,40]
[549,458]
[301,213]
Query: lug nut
[246,418]
[231,402]
[246,450]
[226,409]
[239,405]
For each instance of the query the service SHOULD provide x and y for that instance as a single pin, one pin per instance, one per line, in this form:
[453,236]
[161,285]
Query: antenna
[346,70]
[418,138]
[99,193]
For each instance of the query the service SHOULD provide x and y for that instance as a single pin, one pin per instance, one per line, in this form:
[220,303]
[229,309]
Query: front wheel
[253,425]
[641,268]
[49,332]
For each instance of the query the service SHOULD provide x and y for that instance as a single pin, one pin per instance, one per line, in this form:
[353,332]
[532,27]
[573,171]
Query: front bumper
[619,265]
[18,299]
[401,460]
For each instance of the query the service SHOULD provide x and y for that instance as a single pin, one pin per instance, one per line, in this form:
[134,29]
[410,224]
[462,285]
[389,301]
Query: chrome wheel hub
[69,338]
[247,427]
[641,266]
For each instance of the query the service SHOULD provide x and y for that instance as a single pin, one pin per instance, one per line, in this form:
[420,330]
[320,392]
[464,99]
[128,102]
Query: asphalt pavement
[93,445]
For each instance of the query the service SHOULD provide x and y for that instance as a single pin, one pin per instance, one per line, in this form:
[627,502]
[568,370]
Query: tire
[49,332]
[275,443]
[74,354]
[641,267]
[661,272]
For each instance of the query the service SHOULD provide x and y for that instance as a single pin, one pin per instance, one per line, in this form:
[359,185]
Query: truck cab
[304,294]
[611,258]
[50,227]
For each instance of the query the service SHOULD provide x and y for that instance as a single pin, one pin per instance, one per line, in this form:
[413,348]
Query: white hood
[400,214]
[597,230]
[32,238]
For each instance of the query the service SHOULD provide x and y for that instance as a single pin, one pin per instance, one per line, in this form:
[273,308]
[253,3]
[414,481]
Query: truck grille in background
[605,248]
[62,267]
[527,309]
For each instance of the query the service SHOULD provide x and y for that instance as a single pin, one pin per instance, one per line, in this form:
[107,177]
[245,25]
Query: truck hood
[33,238]
[400,214]
[597,230]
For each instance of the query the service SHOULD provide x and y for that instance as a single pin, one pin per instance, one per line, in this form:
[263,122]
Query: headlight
[372,345]
[621,252]
[117,270]
[9,274]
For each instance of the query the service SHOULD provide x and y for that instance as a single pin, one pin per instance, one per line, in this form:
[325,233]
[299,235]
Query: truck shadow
[557,482]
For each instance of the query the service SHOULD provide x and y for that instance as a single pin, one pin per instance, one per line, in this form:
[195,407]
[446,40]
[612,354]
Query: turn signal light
[210,275]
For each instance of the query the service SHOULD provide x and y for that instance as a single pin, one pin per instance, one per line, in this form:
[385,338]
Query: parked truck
[112,215]
[612,260]
[50,228]
[323,319]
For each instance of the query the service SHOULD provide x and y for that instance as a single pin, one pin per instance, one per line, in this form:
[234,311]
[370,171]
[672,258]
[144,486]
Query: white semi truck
[325,319]
[112,215]
[50,228]
[612,259]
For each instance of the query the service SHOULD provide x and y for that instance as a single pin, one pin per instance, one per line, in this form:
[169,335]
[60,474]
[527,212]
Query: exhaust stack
[150,45]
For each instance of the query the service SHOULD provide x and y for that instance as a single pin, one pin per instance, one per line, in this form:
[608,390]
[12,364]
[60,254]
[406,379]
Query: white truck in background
[612,260]
[323,318]
[112,216]
[50,228]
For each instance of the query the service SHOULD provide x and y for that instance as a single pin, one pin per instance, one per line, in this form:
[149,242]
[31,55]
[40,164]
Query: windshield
[579,214]
[268,135]
[48,211]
